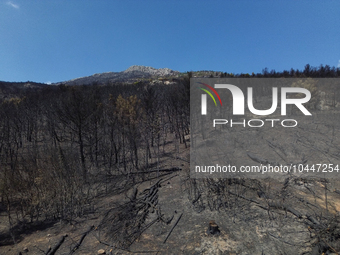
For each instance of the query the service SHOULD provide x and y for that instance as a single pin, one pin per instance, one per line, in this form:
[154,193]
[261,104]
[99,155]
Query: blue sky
[51,41]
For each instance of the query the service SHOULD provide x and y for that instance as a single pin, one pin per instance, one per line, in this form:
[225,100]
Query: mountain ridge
[130,74]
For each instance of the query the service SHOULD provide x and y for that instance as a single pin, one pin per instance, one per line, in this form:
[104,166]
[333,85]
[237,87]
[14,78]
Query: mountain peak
[151,70]
[131,74]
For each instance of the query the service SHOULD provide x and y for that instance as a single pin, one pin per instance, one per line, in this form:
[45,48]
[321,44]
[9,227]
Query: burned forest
[104,168]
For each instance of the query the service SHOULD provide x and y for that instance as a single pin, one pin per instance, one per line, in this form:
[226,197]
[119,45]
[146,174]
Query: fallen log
[245,198]
[173,169]
[57,246]
[127,221]
[257,159]
[261,160]
[76,247]
[280,206]
[196,199]
[312,219]
[274,149]
[173,228]
[286,208]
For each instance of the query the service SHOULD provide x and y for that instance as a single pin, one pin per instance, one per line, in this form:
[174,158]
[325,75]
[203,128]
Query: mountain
[10,89]
[129,75]
[150,70]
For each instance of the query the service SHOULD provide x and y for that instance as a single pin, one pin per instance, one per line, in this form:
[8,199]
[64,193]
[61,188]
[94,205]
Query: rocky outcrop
[152,71]
[130,74]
